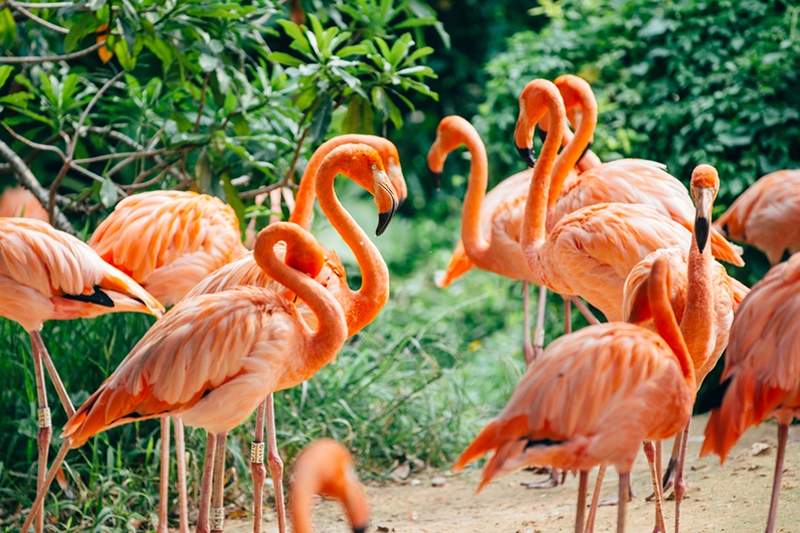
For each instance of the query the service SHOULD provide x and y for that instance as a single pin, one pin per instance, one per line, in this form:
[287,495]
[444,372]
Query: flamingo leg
[36,508]
[45,426]
[580,510]
[783,435]
[36,338]
[205,485]
[180,462]
[622,507]
[163,487]
[527,345]
[567,315]
[585,311]
[218,486]
[257,469]
[598,487]
[538,333]
[669,474]
[650,452]
[275,464]
[680,485]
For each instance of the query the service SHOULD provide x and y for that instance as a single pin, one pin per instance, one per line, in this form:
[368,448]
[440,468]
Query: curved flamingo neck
[363,305]
[579,142]
[698,317]
[665,321]
[301,504]
[303,211]
[475,242]
[533,225]
[332,330]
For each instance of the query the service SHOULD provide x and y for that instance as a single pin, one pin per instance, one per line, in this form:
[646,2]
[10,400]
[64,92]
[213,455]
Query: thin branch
[118,155]
[39,20]
[150,145]
[202,101]
[44,5]
[245,195]
[29,181]
[16,60]
[85,171]
[85,114]
[35,145]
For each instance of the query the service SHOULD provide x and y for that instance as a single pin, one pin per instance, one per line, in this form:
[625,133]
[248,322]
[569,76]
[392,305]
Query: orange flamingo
[490,223]
[766,215]
[632,181]
[589,252]
[211,359]
[762,369]
[20,202]
[362,164]
[46,274]
[326,467]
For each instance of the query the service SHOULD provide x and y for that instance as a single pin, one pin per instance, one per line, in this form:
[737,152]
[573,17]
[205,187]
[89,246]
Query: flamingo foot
[549,483]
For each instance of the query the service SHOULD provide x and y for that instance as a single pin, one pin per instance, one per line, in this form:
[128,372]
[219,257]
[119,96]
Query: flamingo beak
[360,529]
[437,179]
[588,147]
[385,217]
[527,155]
[704,201]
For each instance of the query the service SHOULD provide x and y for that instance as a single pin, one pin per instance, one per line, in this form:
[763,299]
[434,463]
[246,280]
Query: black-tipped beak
[385,217]
[588,147]
[361,529]
[701,231]
[527,155]
[437,179]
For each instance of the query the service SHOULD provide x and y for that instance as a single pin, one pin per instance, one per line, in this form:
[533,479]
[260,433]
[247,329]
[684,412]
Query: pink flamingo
[46,274]
[210,359]
[20,202]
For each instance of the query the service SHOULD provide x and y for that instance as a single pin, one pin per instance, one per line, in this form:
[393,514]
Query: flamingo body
[20,202]
[169,240]
[766,215]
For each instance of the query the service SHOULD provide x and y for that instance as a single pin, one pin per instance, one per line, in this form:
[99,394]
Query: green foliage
[678,82]
[202,95]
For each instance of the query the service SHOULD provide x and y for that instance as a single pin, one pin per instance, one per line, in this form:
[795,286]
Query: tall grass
[412,388]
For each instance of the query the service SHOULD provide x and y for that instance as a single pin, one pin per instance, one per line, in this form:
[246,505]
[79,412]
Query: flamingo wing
[169,240]
[20,202]
[589,398]
[763,359]
[211,359]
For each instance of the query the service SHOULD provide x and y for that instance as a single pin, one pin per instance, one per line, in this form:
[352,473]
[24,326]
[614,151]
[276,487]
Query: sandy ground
[729,498]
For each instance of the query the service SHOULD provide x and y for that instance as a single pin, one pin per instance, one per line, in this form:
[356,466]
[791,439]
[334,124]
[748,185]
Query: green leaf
[208,62]
[161,49]
[296,33]
[202,172]
[230,102]
[5,72]
[321,119]
[47,88]
[83,25]
[108,193]
[67,91]
[284,59]
[120,48]
[232,197]
[359,117]
[8,28]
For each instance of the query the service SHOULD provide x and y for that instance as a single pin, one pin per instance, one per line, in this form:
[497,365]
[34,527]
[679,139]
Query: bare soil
[730,498]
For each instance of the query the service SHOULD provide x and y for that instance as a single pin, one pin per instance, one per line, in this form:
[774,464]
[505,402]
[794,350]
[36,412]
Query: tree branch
[16,60]
[44,5]
[29,181]
[39,20]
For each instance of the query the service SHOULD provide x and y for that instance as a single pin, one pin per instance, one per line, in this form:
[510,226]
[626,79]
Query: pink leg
[598,487]
[257,469]
[580,511]
[538,332]
[783,435]
[36,338]
[666,482]
[45,426]
[205,485]
[650,453]
[163,488]
[680,485]
[527,345]
[567,315]
[180,453]
[275,464]
[585,311]
[624,483]
[36,508]
[218,486]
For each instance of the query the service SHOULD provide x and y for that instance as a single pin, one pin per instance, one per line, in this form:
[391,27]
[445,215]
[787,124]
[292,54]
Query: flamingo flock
[624,237]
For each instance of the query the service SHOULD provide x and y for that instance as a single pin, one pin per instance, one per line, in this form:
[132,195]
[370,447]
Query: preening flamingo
[20,202]
[766,215]
[325,467]
[211,359]
[362,164]
[46,274]
[593,397]
[762,369]
[589,252]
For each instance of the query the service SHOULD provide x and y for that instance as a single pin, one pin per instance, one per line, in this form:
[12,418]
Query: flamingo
[46,274]
[766,214]
[326,467]
[490,222]
[363,164]
[632,181]
[762,369]
[211,359]
[20,202]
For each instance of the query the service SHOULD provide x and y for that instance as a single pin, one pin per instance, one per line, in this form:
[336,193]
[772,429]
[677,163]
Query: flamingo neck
[697,323]
[475,242]
[331,330]
[303,211]
[533,225]
[665,322]
[363,305]
[572,153]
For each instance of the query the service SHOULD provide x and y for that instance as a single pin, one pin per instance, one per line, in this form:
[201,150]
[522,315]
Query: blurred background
[232,98]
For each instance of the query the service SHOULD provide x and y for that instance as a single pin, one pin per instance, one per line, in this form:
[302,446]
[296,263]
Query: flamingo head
[704,188]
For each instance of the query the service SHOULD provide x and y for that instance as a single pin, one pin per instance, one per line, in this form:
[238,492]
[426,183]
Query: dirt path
[731,498]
